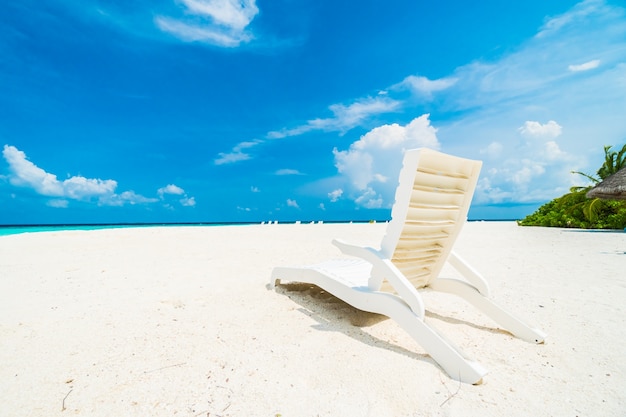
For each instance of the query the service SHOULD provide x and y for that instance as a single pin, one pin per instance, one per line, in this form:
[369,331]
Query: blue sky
[244,110]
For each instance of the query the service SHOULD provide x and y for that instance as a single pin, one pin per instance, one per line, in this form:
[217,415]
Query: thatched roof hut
[612,188]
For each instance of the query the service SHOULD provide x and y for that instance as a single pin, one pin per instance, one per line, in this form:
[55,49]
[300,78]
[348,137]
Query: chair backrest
[432,200]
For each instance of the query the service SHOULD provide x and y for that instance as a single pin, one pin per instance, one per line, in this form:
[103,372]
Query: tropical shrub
[574,209]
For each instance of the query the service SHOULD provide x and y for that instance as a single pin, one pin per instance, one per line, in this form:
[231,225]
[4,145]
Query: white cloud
[58,203]
[369,199]
[27,174]
[173,189]
[170,189]
[536,130]
[335,195]
[423,86]
[287,171]
[80,187]
[217,22]
[371,165]
[193,33]
[344,117]
[585,67]
[532,172]
[578,13]
[292,203]
[126,197]
[255,189]
[494,150]
[235,14]
[347,117]
[553,151]
[24,173]
[487,193]
[188,201]
[528,171]
[231,157]
[132,198]
[237,154]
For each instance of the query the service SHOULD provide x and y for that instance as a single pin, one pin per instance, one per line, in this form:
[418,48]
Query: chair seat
[353,273]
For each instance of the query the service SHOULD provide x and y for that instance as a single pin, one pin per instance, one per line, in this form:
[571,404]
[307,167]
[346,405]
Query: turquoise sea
[16,229]
[12,230]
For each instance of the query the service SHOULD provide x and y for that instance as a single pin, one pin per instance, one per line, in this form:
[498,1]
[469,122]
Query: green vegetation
[574,209]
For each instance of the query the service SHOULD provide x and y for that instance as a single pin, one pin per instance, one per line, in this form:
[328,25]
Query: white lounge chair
[432,201]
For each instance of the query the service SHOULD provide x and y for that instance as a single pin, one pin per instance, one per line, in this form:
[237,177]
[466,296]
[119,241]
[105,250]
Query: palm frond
[620,159]
[613,162]
[592,209]
[593,179]
[578,189]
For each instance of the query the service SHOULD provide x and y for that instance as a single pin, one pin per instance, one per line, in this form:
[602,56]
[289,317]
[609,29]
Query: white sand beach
[179,321]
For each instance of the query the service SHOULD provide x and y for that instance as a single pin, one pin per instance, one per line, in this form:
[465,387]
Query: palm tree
[613,162]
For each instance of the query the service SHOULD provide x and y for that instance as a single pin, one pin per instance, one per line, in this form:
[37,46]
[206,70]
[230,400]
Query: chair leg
[441,350]
[449,357]
[491,309]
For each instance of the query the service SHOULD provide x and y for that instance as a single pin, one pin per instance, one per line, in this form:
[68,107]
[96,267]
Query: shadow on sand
[333,314]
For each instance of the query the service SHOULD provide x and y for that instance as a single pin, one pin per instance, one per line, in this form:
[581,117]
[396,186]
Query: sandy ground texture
[179,321]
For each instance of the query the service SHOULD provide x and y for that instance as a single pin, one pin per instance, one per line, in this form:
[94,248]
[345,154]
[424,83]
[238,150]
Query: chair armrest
[470,274]
[385,269]
[368,254]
